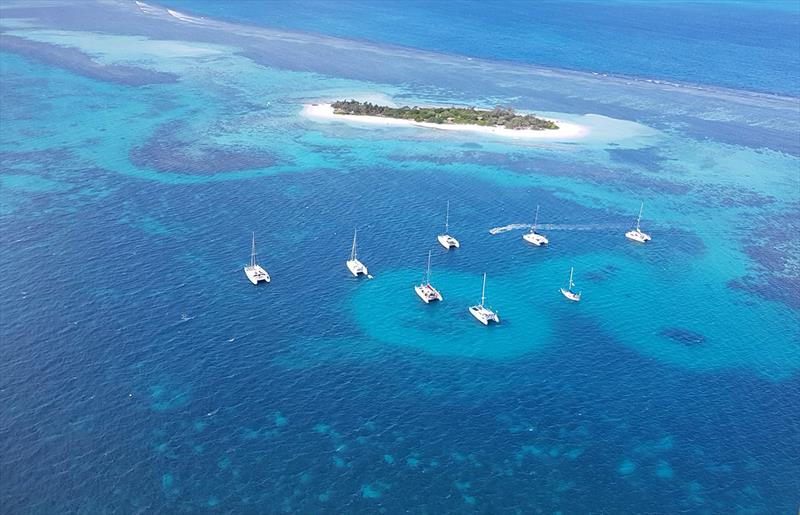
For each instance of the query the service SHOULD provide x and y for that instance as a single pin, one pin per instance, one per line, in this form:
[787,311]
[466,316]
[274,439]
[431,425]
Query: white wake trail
[557,227]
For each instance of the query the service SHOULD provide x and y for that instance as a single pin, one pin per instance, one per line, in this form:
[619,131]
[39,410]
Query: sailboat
[533,236]
[637,234]
[253,270]
[445,239]
[567,292]
[481,312]
[355,266]
[425,290]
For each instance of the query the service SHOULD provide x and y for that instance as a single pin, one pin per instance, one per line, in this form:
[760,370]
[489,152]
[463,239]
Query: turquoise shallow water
[142,372]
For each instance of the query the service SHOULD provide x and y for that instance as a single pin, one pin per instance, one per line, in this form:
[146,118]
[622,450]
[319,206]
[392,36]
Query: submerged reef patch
[171,150]
[776,274]
[80,63]
[647,158]
[683,336]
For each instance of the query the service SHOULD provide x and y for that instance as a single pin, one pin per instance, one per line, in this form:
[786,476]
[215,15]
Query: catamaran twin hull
[356,267]
[428,293]
[484,315]
[536,239]
[448,241]
[575,297]
[256,274]
[639,236]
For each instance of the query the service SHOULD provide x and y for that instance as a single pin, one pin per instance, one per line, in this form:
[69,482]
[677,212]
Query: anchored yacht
[483,314]
[355,266]
[425,290]
[533,236]
[637,234]
[253,270]
[568,293]
[445,239]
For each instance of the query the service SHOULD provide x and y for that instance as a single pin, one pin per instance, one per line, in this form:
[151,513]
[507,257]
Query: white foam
[147,9]
[559,227]
[184,17]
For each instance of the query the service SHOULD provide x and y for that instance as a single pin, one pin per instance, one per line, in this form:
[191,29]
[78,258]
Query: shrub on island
[497,117]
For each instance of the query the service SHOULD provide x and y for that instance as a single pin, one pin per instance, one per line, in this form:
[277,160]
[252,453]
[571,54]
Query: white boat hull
[256,274]
[639,236]
[356,267]
[448,241]
[484,315]
[536,239]
[427,293]
[575,297]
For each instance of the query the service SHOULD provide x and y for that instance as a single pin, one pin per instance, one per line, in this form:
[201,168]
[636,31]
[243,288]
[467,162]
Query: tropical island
[504,117]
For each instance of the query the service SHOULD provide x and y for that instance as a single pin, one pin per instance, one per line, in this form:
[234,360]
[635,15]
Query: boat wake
[557,227]
[147,9]
[158,11]
[183,17]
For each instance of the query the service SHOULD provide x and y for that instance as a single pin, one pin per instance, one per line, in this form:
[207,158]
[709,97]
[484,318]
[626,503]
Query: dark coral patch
[526,165]
[645,158]
[776,275]
[80,63]
[172,149]
[683,336]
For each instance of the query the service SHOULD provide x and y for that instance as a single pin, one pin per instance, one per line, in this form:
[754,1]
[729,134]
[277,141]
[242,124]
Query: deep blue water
[741,45]
[141,372]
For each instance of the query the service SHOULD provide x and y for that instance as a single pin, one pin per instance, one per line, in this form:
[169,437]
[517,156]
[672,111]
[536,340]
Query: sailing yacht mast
[445,239]
[483,314]
[639,219]
[425,289]
[355,266]
[567,292]
[534,237]
[428,272]
[637,234]
[353,250]
[254,272]
[253,251]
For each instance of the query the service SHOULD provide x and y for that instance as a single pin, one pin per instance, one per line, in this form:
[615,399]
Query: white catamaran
[483,314]
[445,239]
[253,270]
[637,234]
[355,266]
[534,237]
[567,292]
[425,290]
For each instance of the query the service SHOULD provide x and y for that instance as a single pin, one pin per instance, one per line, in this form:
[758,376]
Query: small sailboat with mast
[567,292]
[534,237]
[253,270]
[445,239]
[425,290]
[637,234]
[355,266]
[483,314]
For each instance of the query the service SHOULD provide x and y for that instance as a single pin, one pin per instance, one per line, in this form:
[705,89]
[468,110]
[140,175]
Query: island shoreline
[566,131]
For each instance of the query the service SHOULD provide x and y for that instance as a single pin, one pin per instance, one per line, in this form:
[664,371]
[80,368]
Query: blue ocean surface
[140,371]
[749,45]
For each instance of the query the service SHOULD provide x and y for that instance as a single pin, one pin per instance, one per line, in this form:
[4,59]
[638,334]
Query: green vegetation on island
[497,117]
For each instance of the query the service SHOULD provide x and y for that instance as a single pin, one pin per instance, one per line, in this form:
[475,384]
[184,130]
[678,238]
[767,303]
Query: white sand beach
[566,131]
